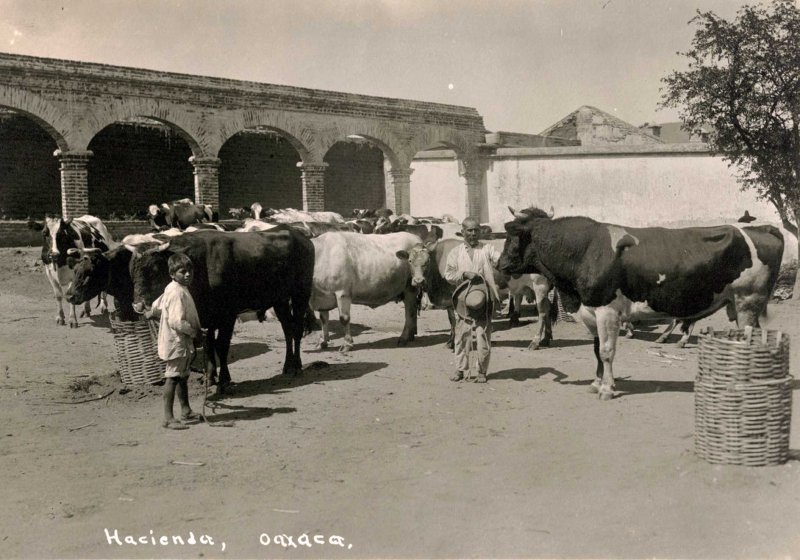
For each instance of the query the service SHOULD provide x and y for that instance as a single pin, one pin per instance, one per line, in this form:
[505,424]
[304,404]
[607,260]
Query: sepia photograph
[334,279]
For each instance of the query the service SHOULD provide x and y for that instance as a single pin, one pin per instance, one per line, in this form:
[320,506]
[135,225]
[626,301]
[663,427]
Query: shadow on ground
[524,374]
[317,373]
[236,412]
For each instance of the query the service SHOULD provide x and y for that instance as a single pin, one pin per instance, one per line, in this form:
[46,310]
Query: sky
[523,64]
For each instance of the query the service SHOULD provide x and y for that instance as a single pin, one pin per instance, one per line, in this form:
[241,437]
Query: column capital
[473,168]
[205,161]
[401,173]
[76,155]
[312,166]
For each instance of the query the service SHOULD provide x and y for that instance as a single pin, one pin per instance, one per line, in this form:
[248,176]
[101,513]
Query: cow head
[519,253]
[91,269]
[159,218]
[420,259]
[57,239]
[149,272]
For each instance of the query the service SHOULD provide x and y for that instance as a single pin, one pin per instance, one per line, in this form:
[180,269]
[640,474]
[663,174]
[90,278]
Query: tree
[743,80]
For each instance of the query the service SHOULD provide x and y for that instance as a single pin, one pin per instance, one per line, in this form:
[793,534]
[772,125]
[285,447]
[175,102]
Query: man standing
[473,262]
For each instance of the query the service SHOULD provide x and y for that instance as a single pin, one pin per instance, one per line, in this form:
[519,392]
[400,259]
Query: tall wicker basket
[743,397]
[136,344]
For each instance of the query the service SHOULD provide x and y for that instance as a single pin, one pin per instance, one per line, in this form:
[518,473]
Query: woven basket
[136,343]
[743,397]
[563,315]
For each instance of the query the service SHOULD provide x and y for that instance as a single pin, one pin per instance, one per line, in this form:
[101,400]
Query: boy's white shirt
[179,322]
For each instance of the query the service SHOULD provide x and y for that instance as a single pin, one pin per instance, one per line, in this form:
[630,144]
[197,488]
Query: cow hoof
[344,348]
[546,342]
[534,345]
[450,344]
[60,321]
[661,340]
[606,394]
[594,387]
[225,389]
[681,344]
[73,324]
[321,345]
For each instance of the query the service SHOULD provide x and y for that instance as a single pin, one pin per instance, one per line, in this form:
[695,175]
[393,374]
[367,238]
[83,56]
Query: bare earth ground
[379,448]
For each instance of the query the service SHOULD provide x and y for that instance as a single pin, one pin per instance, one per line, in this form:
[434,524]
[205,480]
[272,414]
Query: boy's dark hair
[179,260]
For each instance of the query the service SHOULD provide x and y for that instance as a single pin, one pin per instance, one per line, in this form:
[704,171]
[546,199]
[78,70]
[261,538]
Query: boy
[178,327]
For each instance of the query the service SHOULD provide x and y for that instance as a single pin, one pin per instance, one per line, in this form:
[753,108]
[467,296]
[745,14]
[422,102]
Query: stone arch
[178,119]
[430,136]
[289,126]
[53,120]
[380,133]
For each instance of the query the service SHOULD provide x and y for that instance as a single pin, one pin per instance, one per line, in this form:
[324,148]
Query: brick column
[74,182]
[206,180]
[401,184]
[313,176]
[473,171]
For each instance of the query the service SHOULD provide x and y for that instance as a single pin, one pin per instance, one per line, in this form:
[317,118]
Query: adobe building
[80,137]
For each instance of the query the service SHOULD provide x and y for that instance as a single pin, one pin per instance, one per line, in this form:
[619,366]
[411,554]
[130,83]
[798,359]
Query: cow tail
[310,323]
[554,314]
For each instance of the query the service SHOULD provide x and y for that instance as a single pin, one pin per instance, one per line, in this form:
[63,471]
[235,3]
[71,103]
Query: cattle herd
[297,263]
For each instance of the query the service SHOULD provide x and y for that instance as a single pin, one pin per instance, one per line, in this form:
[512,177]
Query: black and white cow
[608,273]
[62,242]
[180,214]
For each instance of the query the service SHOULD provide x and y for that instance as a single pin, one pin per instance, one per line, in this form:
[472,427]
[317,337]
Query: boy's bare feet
[174,425]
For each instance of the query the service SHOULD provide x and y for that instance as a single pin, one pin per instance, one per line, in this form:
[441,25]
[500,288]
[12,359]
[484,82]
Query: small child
[179,326]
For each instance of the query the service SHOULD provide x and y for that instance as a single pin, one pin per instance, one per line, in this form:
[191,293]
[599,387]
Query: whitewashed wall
[643,188]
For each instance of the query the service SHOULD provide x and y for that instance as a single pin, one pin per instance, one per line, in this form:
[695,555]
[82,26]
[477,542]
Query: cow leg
[344,301]
[748,309]
[410,325]
[223,345]
[451,317]
[514,306]
[324,335]
[211,358]
[60,316]
[284,313]
[543,304]
[102,303]
[687,328]
[628,326]
[73,317]
[608,323]
[86,310]
[598,373]
[665,335]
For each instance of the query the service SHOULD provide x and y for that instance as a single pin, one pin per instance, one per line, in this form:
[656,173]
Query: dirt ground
[374,453]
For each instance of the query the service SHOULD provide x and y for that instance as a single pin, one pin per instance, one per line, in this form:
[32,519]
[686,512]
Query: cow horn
[73,251]
[552,212]
[516,214]
[92,250]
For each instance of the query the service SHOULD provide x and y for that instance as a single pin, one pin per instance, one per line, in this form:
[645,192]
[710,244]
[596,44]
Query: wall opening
[259,165]
[136,163]
[355,176]
[30,181]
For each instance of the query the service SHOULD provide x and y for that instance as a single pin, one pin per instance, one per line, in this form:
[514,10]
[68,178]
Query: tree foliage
[743,81]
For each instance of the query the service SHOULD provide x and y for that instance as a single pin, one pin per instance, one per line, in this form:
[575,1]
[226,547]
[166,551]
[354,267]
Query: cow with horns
[608,273]
[63,241]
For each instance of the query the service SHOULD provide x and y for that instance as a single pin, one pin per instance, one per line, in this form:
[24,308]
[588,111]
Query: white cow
[363,269]
[290,215]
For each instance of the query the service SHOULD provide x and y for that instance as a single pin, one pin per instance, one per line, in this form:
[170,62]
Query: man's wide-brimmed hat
[470,298]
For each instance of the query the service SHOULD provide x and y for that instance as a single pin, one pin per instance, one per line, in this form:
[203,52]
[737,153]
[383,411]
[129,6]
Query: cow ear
[35,226]
[152,210]
[402,255]
[430,246]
